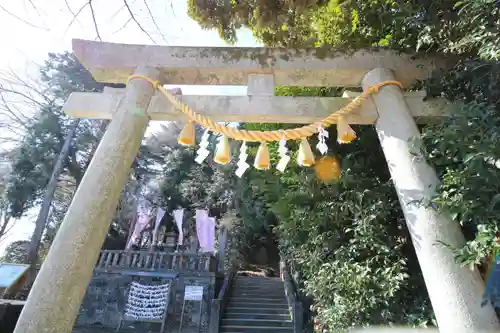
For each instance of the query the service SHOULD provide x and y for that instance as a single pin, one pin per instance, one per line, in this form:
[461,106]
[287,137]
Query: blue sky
[35,28]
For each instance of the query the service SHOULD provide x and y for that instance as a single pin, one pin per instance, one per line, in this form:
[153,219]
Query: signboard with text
[11,273]
[193,293]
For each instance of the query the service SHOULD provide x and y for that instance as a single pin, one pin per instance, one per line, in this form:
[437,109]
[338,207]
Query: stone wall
[106,295]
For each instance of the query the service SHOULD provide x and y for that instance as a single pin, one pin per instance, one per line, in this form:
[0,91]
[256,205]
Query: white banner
[146,302]
[178,216]
[205,230]
[159,216]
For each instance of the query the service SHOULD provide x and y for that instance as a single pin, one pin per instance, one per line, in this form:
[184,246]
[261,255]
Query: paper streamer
[242,161]
[284,157]
[322,136]
[202,153]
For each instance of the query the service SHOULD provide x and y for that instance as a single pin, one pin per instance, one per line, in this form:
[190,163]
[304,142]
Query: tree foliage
[337,232]
[470,26]
[16,252]
[331,232]
[33,159]
[184,183]
[347,240]
[464,150]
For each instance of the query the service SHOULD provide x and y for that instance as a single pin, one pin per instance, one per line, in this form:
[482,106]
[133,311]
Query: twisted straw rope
[260,136]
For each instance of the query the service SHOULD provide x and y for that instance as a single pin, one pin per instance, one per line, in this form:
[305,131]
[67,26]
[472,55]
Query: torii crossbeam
[55,298]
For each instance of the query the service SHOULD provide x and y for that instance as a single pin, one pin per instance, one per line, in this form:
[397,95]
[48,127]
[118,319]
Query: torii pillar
[455,291]
[56,295]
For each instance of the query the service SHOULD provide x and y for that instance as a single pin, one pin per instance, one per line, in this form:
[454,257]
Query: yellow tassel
[262,160]
[305,156]
[223,152]
[328,169]
[345,133]
[188,135]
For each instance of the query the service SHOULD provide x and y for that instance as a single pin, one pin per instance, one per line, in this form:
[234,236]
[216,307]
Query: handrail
[294,303]
[219,303]
[119,260]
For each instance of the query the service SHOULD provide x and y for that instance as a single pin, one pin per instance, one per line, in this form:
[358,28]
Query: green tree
[16,252]
[183,182]
[48,149]
[461,147]
[470,26]
[50,160]
[333,232]
[34,157]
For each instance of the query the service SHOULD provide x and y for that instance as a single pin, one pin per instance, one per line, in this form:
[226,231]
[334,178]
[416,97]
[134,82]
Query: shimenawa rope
[261,136]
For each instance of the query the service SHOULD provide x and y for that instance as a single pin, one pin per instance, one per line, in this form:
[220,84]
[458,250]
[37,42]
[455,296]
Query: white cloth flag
[159,216]
[178,215]
[209,245]
[205,230]
[140,224]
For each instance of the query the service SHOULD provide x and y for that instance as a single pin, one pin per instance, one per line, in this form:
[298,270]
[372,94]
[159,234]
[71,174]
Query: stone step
[264,300]
[256,287]
[237,291]
[254,329]
[259,287]
[277,289]
[256,322]
[252,315]
[239,275]
[256,282]
[257,305]
[257,279]
[257,294]
[255,310]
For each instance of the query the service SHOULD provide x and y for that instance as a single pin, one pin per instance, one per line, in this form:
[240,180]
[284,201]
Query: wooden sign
[193,293]
[11,273]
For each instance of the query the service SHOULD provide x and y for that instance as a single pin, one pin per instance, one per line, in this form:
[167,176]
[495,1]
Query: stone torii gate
[55,298]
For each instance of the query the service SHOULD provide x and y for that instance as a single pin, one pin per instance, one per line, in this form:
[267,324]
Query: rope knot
[156,84]
[374,89]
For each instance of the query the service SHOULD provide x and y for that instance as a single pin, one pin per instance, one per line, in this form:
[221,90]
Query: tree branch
[10,113]
[137,22]
[123,27]
[20,19]
[75,15]
[94,19]
[154,21]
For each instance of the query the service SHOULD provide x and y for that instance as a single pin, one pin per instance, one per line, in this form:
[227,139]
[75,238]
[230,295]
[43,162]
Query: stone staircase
[256,304]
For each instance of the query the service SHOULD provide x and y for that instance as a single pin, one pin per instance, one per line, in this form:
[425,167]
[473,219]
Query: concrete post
[55,298]
[455,292]
[221,251]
